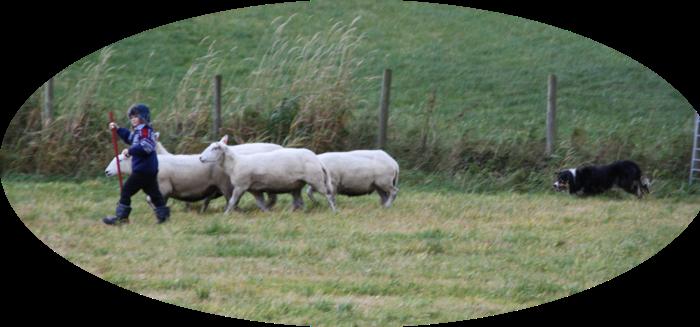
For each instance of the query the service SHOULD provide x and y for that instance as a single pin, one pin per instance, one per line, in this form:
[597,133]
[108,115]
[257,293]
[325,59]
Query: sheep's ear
[156,136]
[224,139]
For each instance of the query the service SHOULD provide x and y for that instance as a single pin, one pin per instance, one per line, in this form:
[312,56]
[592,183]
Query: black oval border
[46,38]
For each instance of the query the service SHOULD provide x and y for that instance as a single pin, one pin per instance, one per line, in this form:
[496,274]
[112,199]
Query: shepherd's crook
[116,150]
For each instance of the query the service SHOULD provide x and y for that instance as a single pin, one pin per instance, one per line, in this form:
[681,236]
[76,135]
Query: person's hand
[125,153]
[113,125]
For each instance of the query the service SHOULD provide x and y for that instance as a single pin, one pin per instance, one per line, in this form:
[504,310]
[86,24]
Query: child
[144,166]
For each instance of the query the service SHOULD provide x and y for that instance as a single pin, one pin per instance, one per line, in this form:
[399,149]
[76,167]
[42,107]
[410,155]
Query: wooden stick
[116,150]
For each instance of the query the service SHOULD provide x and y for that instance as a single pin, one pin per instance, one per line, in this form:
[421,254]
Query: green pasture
[468,92]
[436,256]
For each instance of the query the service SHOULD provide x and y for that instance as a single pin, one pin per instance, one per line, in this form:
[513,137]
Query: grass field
[488,71]
[435,256]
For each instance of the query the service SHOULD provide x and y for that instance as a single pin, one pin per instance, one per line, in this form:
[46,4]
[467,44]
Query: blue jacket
[142,148]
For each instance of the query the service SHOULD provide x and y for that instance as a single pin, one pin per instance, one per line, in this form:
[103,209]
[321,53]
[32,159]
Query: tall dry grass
[302,93]
[187,121]
[68,144]
[303,90]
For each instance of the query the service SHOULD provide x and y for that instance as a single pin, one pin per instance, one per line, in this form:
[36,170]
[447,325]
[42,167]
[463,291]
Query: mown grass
[434,257]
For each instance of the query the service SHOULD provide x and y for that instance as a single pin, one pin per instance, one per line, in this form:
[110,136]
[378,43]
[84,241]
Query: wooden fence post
[551,115]
[48,103]
[384,109]
[216,119]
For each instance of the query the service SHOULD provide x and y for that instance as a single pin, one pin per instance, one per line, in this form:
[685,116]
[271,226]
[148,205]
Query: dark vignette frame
[43,39]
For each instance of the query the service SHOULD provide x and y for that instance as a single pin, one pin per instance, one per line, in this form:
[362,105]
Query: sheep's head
[124,164]
[215,151]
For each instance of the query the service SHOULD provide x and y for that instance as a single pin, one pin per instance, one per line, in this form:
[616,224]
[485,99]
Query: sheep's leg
[310,193]
[227,190]
[393,191]
[206,204]
[383,196]
[271,200]
[298,200]
[331,199]
[389,200]
[235,198]
[321,187]
[260,200]
[150,203]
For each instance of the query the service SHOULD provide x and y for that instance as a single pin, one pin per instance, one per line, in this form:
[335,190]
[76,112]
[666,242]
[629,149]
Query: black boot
[162,214]
[121,217]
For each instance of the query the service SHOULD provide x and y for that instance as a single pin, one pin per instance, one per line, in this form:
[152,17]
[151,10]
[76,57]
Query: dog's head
[645,185]
[564,179]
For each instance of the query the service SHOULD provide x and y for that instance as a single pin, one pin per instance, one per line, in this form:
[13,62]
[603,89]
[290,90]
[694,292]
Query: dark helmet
[140,110]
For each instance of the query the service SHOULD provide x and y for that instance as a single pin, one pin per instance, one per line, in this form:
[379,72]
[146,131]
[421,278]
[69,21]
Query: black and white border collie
[590,180]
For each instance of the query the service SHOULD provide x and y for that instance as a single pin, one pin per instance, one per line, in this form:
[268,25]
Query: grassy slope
[489,71]
[435,256]
[488,67]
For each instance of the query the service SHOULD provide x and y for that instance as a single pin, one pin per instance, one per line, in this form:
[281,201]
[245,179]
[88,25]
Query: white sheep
[362,172]
[184,177]
[280,171]
[160,149]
